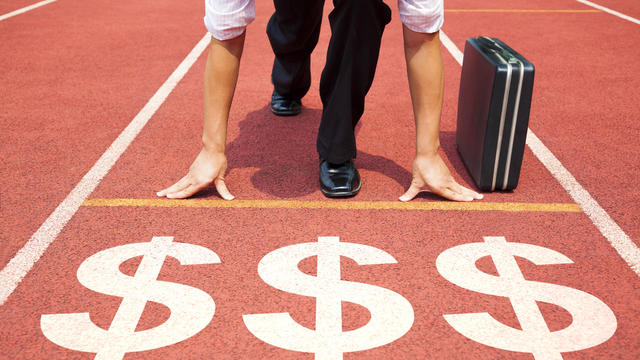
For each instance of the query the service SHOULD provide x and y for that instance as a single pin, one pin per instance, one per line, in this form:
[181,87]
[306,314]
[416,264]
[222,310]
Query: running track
[75,74]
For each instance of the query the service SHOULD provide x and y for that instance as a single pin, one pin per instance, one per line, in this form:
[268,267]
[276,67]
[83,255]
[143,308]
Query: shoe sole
[343,194]
[285,113]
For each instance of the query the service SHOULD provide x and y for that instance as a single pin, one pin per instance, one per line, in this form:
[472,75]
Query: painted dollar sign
[391,314]
[593,321]
[191,309]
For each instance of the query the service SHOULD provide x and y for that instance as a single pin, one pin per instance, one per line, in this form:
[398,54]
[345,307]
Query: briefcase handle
[490,45]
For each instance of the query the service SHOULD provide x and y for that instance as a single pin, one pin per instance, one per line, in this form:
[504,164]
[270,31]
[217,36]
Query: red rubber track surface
[8,6]
[74,75]
[78,72]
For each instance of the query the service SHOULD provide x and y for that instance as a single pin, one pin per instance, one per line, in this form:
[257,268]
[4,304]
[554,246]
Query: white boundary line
[25,9]
[612,12]
[23,261]
[620,241]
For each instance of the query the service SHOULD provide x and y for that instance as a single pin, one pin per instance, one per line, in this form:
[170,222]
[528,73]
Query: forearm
[426,84]
[220,78]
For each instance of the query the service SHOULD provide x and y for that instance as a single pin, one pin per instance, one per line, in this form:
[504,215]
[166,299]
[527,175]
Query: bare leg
[426,83]
[220,78]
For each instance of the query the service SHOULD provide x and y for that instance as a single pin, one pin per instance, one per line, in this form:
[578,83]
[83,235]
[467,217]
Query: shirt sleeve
[424,16]
[227,19]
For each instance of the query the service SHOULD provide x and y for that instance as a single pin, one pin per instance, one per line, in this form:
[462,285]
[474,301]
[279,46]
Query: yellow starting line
[344,205]
[521,11]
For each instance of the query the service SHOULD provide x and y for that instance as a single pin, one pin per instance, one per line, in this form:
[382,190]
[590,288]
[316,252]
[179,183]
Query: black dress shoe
[339,180]
[284,106]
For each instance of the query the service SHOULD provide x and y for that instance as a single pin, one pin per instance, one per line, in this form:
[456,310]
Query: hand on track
[430,173]
[207,168]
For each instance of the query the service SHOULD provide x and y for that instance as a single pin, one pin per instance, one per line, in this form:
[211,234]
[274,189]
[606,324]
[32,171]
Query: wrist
[428,150]
[213,146]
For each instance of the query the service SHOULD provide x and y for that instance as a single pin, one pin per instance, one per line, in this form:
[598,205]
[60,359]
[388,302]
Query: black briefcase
[493,112]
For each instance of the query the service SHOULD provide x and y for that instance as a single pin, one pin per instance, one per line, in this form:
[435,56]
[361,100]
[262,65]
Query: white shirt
[423,16]
[226,19]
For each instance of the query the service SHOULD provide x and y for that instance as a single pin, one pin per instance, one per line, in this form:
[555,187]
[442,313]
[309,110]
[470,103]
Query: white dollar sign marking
[593,322]
[191,309]
[391,314]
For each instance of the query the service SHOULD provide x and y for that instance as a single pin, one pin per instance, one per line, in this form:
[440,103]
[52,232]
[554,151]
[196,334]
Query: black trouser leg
[293,31]
[356,28]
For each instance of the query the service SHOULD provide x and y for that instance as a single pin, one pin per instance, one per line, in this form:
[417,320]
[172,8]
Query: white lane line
[453,49]
[600,218]
[620,241]
[612,12]
[23,261]
[25,9]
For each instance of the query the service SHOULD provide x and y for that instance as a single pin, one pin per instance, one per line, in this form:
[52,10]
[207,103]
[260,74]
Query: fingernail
[158,193]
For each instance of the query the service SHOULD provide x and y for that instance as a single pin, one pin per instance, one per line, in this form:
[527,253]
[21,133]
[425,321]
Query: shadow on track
[283,149]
